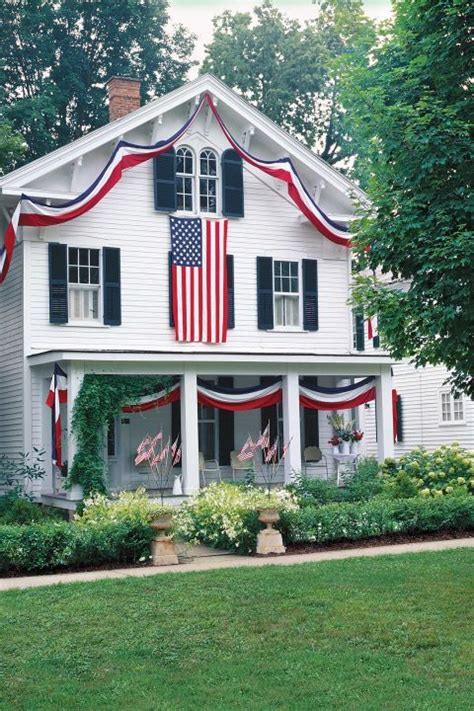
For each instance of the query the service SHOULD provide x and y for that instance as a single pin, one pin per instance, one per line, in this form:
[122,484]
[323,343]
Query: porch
[211,437]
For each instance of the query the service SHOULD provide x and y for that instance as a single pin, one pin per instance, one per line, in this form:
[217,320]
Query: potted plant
[343,431]
[335,441]
[356,437]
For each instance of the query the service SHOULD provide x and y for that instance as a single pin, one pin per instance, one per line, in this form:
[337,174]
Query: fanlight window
[184,179]
[208,181]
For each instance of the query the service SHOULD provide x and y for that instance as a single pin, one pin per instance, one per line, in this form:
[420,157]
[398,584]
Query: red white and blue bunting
[31,212]
[258,396]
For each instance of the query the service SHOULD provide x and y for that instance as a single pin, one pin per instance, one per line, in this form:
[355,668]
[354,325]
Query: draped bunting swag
[32,212]
[258,396]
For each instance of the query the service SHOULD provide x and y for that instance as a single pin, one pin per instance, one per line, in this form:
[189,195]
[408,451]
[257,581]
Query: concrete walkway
[207,559]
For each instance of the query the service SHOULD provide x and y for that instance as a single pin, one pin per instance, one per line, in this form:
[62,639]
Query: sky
[197,15]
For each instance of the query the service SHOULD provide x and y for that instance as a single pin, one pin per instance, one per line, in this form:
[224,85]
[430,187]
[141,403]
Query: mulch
[389,540]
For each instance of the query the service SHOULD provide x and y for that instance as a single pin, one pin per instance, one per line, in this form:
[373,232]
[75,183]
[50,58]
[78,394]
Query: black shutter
[310,294]
[359,332]
[269,414]
[399,431]
[232,184]
[311,418]
[170,288]
[226,426]
[57,254]
[164,181]
[230,292]
[112,296]
[376,341]
[265,292]
[175,419]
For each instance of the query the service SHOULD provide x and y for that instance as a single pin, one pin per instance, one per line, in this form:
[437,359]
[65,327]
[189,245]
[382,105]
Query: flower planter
[335,449]
[163,548]
[269,540]
[354,447]
[345,447]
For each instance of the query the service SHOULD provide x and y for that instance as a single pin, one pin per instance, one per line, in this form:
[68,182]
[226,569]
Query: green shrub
[15,508]
[379,516]
[43,547]
[365,483]
[226,515]
[128,505]
[447,470]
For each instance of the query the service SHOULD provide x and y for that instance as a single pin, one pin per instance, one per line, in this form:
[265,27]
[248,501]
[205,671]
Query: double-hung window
[83,283]
[185,179]
[452,408]
[286,293]
[208,181]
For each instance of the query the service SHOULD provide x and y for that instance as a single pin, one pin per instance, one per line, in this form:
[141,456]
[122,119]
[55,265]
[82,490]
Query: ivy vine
[99,401]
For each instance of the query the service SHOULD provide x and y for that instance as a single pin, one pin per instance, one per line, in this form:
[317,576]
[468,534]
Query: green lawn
[382,633]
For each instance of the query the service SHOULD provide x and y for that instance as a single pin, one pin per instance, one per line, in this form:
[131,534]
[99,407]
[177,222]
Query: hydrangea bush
[447,470]
[127,505]
[226,515]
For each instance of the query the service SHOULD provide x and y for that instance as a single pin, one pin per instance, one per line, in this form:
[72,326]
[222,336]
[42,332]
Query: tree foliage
[412,109]
[292,71]
[12,147]
[55,56]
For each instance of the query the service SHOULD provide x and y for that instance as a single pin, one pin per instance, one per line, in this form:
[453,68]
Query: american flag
[264,439]
[199,279]
[57,394]
[247,451]
[271,453]
[177,457]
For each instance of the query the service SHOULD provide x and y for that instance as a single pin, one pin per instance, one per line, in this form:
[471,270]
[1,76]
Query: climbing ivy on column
[99,401]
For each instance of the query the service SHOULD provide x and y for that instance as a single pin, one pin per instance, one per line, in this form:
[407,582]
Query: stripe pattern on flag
[57,395]
[199,279]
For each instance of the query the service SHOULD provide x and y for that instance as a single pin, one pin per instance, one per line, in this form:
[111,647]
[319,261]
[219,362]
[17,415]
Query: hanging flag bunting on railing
[344,398]
[31,212]
[258,396]
[234,399]
[150,402]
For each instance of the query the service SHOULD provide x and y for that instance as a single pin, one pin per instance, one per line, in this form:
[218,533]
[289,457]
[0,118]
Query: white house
[93,294]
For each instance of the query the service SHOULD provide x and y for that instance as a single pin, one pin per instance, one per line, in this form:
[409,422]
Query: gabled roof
[20,178]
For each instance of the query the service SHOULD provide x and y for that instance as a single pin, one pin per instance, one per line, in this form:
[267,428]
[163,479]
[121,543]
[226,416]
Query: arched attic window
[185,179]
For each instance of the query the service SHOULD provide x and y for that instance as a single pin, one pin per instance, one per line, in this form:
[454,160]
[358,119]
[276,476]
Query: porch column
[75,376]
[189,431]
[384,421]
[291,424]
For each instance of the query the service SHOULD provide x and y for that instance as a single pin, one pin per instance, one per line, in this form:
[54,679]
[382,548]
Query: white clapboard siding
[11,359]
[420,390]
[126,218]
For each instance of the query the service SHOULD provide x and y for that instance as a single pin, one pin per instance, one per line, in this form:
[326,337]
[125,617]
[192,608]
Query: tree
[290,71]
[55,56]
[412,108]
[12,147]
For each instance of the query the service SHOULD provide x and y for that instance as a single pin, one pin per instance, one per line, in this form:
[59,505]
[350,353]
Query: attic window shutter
[359,329]
[164,181]
[58,302]
[230,292]
[265,293]
[112,295]
[310,295]
[232,184]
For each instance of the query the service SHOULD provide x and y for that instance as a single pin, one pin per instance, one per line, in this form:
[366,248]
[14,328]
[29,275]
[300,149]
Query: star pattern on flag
[186,242]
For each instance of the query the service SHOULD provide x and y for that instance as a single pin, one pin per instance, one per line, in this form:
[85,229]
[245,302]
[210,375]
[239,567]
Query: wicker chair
[209,470]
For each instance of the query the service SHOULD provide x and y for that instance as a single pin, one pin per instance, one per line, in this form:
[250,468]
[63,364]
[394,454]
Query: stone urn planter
[269,540]
[163,548]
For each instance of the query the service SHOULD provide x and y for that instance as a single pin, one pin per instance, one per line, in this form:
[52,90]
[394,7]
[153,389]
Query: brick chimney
[124,96]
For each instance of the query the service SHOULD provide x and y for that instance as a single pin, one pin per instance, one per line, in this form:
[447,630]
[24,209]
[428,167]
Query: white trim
[452,422]
[67,154]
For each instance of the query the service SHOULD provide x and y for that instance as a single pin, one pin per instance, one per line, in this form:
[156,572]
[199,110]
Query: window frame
[205,176]
[77,286]
[192,176]
[298,294]
[451,422]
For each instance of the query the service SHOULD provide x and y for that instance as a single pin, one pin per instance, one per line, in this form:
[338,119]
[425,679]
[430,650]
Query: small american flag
[264,439]
[271,453]
[199,279]
[177,457]
[247,450]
